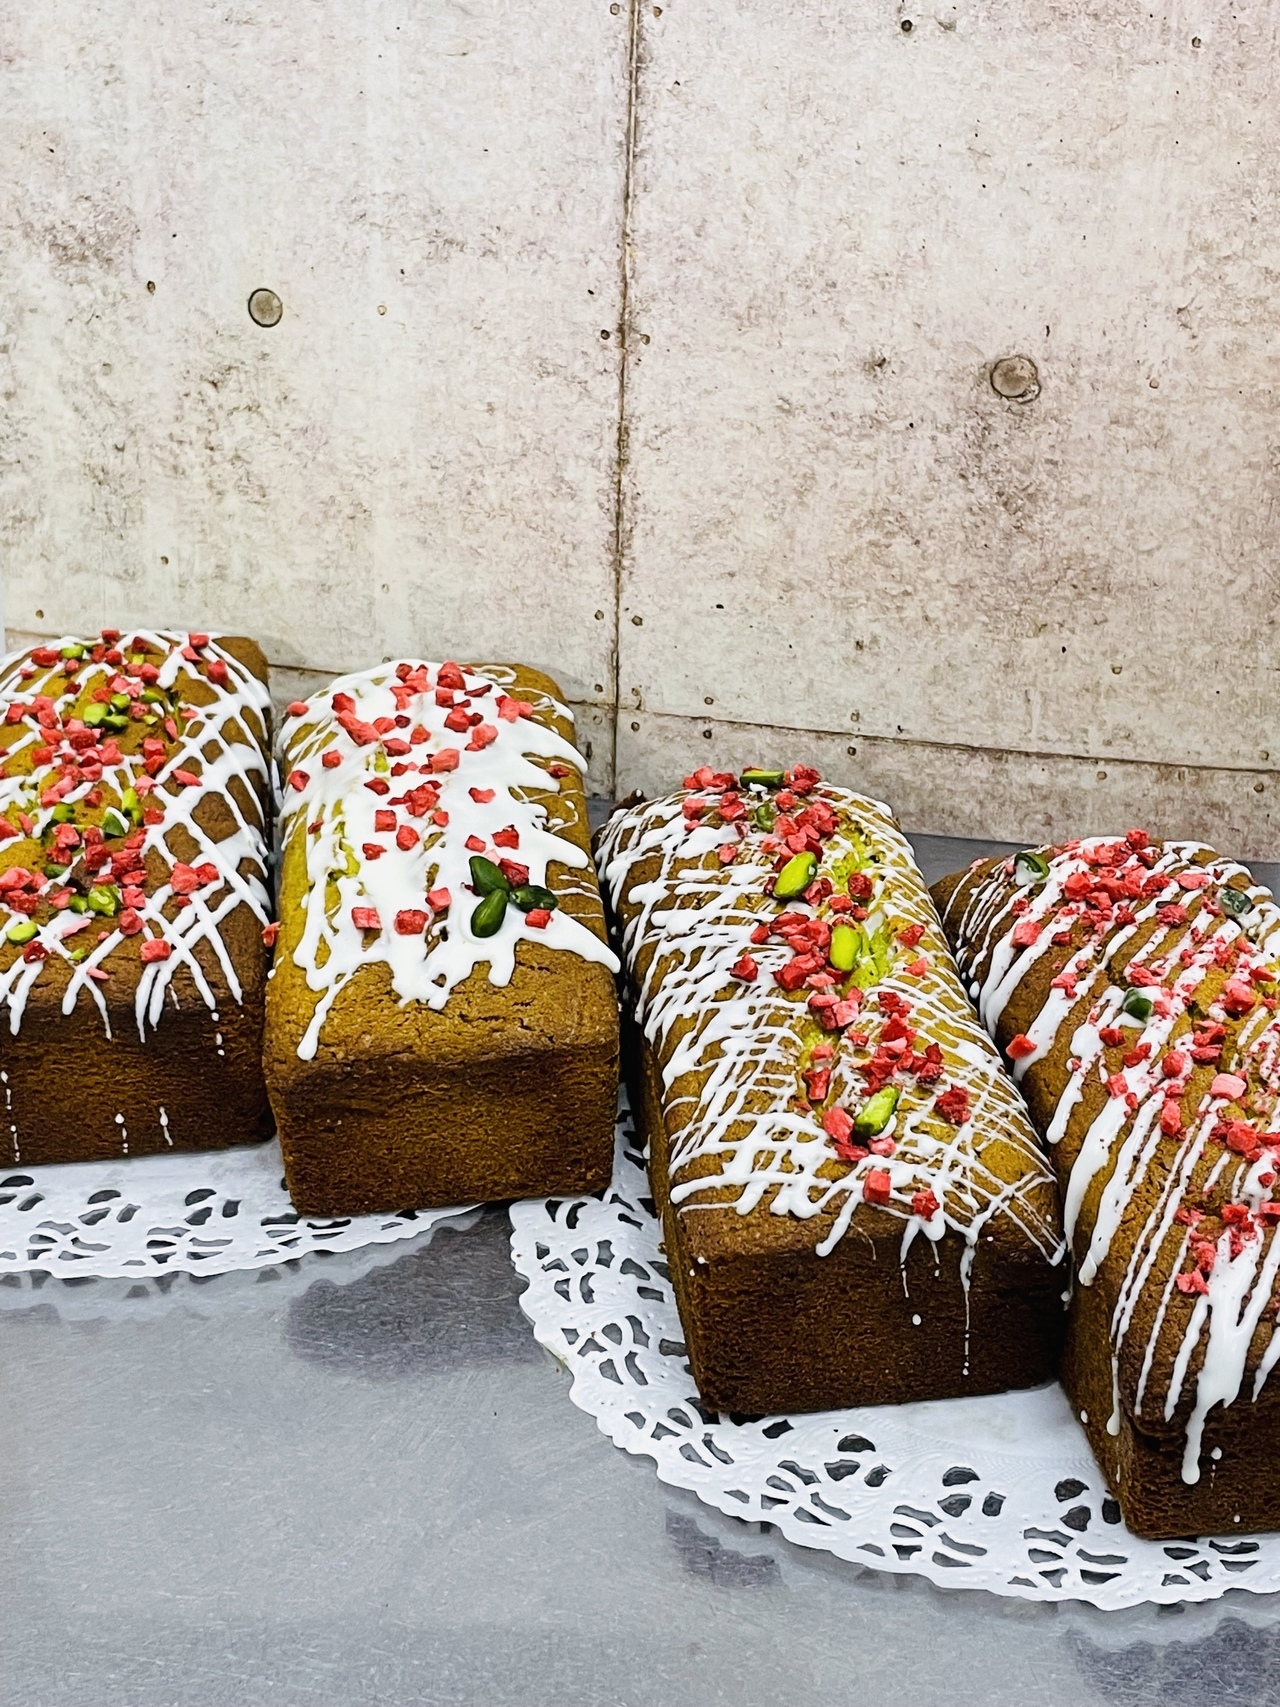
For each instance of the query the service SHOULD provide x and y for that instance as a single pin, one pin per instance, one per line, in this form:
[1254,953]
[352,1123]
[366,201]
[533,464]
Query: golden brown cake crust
[777,1208]
[1133,987]
[502,1090]
[134,803]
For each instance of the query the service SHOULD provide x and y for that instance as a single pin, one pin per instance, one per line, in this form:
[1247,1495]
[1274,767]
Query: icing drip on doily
[1233,1275]
[82,766]
[750,1039]
[393,817]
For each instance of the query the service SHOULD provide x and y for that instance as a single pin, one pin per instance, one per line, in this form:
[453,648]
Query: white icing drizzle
[1123,1144]
[747,1043]
[336,813]
[237,759]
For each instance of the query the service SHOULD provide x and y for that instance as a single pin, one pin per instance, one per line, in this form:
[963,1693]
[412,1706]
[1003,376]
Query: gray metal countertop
[351,1484]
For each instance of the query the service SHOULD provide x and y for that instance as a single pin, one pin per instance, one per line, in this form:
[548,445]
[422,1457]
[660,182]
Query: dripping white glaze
[747,1039]
[1123,1143]
[336,813]
[238,759]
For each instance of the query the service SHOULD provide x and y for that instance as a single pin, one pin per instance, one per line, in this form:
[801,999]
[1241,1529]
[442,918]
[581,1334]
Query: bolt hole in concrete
[1016,378]
[151,287]
[265,307]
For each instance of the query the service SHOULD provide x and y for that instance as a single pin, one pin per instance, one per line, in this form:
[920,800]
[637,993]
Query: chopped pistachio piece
[795,877]
[114,822]
[531,895]
[22,930]
[488,916]
[1236,902]
[103,900]
[1137,1005]
[846,947]
[486,879]
[875,1115]
[1029,868]
[759,777]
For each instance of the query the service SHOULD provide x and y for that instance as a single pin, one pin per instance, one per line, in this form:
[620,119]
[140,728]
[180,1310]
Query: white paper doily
[1000,1493]
[205,1212]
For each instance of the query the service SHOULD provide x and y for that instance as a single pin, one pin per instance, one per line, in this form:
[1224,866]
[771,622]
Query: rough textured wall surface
[1033,615]
[1028,611]
[421,454]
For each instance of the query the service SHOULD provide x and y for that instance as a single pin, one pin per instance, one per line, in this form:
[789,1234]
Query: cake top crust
[1135,988]
[413,790]
[133,797]
[820,1060]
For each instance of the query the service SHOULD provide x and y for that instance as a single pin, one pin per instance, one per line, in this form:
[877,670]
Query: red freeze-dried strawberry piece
[1269,1211]
[450,676]
[538,917]
[129,924]
[154,948]
[507,838]
[911,935]
[817,1082]
[925,1205]
[189,779]
[372,850]
[1025,932]
[1019,1047]
[877,1187]
[438,899]
[1238,998]
[298,708]
[745,968]
[183,879]
[953,1105]
[1191,1282]
[1171,1119]
[410,922]
[366,919]
[510,710]
[406,837]
[837,1123]
[395,746]
[759,933]
[482,736]
[917,968]
[860,886]
[481,796]
[1172,914]
[517,875]
[298,780]
[1229,1085]
[458,720]
[475,843]
[217,672]
[447,759]
[384,819]
[1111,1035]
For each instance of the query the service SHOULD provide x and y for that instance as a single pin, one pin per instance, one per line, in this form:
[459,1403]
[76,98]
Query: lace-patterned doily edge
[610,1418]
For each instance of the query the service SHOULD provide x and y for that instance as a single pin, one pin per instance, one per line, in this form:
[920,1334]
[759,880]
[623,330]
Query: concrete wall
[801,520]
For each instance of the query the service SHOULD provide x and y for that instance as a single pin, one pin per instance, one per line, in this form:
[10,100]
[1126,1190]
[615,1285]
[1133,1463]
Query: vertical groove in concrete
[620,517]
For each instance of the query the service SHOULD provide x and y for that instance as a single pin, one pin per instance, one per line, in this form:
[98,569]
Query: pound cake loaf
[1133,988]
[855,1209]
[134,793]
[442,1023]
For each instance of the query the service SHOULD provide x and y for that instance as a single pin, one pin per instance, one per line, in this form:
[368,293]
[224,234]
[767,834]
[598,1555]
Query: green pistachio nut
[115,721]
[531,895]
[846,947]
[62,813]
[130,803]
[757,776]
[78,904]
[52,869]
[153,696]
[765,815]
[95,714]
[488,916]
[114,822]
[875,1115]
[1137,1006]
[72,652]
[23,930]
[103,900]
[1029,868]
[795,877]
[1236,902]
[486,879]
[120,702]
